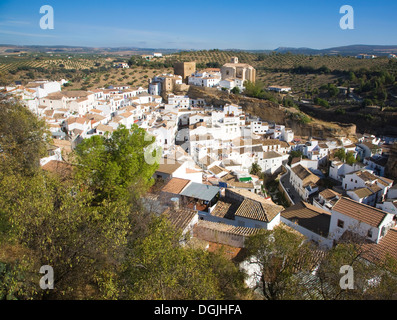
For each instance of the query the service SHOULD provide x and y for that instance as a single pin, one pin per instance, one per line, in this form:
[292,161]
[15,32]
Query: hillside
[289,117]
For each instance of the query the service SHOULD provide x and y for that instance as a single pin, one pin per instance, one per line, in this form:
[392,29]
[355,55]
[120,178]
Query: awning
[245,179]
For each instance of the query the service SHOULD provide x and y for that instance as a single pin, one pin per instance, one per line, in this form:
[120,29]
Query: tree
[59,227]
[235,90]
[115,167]
[350,159]
[340,154]
[23,138]
[159,268]
[333,91]
[294,154]
[372,279]
[3,79]
[253,89]
[256,169]
[321,102]
[282,257]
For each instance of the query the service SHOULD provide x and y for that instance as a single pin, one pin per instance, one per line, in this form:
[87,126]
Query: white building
[364,220]
[303,181]
[365,179]
[179,101]
[338,169]
[279,89]
[205,78]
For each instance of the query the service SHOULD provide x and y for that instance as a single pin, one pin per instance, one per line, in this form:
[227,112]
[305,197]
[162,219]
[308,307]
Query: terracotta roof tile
[175,185]
[360,212]
[309,217]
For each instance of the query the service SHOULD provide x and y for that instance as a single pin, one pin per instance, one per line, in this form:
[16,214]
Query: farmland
[91,70]
[83,71]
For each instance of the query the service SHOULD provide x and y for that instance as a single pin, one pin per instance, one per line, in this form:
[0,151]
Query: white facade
[180,101]
[341,223]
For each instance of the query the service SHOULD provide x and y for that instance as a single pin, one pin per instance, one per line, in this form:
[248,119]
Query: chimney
[175,203]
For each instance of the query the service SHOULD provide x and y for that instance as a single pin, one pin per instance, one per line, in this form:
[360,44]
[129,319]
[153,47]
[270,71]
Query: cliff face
[377,122]
[391,166]
[274,113]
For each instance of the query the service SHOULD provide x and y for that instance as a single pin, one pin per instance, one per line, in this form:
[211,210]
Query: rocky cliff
[391,166]
[269,111]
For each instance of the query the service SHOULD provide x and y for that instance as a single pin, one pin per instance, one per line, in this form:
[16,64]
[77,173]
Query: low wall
[218,236]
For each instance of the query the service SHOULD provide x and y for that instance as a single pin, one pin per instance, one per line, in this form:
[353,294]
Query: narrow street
[290,189]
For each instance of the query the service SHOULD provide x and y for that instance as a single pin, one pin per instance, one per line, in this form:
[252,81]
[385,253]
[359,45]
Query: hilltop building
[184,69]
[237,73]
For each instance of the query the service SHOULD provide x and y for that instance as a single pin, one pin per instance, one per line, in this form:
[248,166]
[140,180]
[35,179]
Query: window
[369,234]
[341,223]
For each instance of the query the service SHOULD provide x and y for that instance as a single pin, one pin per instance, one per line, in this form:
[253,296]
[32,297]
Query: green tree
[59,227]
[372,279]
[333,91]
[256,169]
[23,138]
[294,154]
[160,268]
[340,154]
[350,159]
[115,167]
[283,257]
[235,90]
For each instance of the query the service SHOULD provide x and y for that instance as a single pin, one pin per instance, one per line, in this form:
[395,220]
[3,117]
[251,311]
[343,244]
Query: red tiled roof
[360,212]
[175,185]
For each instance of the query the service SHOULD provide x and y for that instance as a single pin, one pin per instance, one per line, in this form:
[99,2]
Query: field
[83,71]
[87,71]
[275,69]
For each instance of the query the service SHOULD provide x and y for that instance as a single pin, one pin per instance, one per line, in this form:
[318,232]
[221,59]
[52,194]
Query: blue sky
[202,24]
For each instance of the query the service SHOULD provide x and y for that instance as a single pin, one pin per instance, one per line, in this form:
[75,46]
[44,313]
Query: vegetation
[91,226]
[256,169]
[292,269]
[344,156]
[280,255]
[294,154]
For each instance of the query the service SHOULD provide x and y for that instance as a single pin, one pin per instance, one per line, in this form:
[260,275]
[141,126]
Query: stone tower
[184,69]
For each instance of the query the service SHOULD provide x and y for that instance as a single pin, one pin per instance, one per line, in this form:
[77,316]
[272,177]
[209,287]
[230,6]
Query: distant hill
[351,50]
[13,49]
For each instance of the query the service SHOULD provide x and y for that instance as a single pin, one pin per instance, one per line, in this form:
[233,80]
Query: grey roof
[200,191]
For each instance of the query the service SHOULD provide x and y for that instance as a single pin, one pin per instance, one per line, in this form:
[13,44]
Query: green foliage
[300,117]
[340,111]
[60,227]
[280,255]
[341,154]
[256,169]
[294,154]
[256,90]
[22,140]
[288,102]
[235,90]
[115,167]
[333,91]
[375,280]
[321,102]
[160,268]
[350,159]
